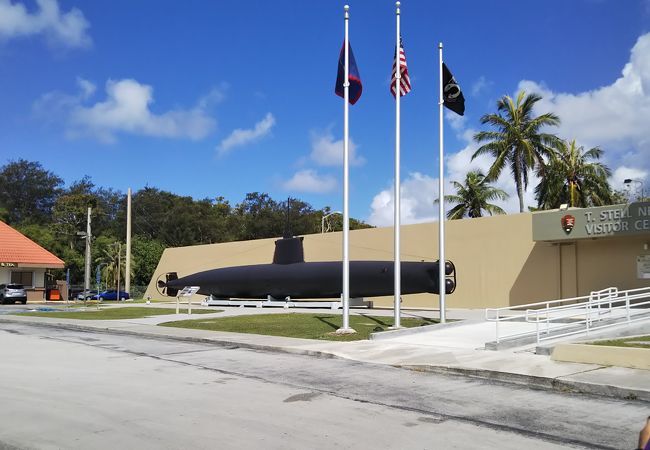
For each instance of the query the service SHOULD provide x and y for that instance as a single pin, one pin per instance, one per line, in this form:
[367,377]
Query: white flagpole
[441,205]
[396,221]
[346,213]
[127,270]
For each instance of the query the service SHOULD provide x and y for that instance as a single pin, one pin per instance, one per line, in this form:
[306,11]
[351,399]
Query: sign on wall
[643,267]
[8,264]
[583,223]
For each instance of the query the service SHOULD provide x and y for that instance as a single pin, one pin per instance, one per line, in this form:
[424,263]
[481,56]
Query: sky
[214,98]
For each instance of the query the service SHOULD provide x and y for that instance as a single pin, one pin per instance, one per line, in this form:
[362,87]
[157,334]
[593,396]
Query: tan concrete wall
[602,260]
[497,262]
[35,295]
[636,358]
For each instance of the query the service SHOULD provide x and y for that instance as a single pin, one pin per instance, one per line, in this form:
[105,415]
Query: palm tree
[472,197]
[575,177]
[114,264]
[517,140]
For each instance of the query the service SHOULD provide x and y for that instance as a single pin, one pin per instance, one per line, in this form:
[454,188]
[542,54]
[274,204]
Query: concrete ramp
[467,334]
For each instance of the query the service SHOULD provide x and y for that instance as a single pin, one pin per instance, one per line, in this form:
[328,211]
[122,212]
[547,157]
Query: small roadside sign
[187,291]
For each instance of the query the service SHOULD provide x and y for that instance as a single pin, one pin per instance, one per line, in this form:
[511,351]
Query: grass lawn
[115,313]
[113,302]
[308,326]
[626,342]
[154,300]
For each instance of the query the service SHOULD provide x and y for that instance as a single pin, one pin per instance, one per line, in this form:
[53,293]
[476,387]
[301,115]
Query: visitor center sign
[585,223]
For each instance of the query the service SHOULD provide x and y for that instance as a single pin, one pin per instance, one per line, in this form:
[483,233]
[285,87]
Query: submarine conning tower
[289,250]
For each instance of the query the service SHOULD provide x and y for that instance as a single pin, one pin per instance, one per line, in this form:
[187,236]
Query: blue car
[111,294]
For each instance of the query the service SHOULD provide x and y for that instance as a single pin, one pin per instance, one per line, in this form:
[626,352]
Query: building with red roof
[23,261]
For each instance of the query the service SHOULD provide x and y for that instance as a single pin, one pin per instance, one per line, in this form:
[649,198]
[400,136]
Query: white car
[12,293]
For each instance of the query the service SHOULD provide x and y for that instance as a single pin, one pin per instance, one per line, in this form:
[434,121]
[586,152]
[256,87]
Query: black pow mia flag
[451,93]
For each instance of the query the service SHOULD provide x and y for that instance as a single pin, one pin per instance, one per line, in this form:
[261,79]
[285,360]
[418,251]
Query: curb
[531,381]
[220,342]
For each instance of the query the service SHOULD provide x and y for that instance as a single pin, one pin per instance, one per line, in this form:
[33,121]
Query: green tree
[70,214]
[182,225]
[620,197]
[150,207]
[214,221]
[334,222]
[145,254]
[110,212]
[303,219]
[28,192]
[224,222]
[574,176]
[46,237]
[259,216]
[113,264]
[473,197]
[517,140]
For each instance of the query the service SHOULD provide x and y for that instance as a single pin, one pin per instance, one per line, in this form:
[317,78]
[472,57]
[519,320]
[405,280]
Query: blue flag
[353,76]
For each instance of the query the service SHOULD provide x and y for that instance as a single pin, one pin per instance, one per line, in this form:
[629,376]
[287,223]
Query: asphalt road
[86,390]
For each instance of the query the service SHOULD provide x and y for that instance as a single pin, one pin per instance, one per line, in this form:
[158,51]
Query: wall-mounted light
[639,188]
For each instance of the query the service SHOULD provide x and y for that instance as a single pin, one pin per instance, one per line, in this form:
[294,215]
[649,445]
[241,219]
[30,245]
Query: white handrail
[582,315]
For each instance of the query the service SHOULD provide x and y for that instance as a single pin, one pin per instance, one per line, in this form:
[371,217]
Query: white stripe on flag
[405,81]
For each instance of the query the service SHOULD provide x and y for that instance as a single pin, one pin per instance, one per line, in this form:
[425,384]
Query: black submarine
[289,276]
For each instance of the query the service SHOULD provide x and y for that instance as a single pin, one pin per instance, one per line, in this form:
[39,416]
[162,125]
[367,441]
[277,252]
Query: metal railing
[569,316]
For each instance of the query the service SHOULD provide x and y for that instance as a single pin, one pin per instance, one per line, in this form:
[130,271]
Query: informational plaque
[643,266]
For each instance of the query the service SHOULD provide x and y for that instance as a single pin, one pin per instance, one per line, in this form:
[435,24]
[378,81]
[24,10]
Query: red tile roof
[18,248]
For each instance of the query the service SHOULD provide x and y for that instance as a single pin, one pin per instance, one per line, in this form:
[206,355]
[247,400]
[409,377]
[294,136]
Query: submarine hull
[315,280]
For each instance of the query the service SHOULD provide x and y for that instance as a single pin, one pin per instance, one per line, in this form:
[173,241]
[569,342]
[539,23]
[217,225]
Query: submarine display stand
[286,303]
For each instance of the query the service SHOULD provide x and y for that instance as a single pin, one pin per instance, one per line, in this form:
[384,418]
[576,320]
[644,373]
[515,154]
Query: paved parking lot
[75,389]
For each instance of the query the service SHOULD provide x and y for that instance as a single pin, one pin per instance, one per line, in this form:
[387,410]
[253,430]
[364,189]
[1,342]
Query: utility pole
[119,267]
[127,275]
[88,238]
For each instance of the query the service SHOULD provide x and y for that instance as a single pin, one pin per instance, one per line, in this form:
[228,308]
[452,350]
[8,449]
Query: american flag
[405,81]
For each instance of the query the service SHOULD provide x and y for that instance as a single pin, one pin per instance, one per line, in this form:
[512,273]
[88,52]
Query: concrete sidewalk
[453,349]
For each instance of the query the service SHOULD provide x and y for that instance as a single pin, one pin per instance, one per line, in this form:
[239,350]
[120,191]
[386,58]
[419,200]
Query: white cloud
[87,88]
[480,85]
[456,121]
[241,137]
[55,106]
[614,117]
[417,193]
[215,96]
[623,173]
[68,29]
[310,181]
[126,109]
[325,151]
